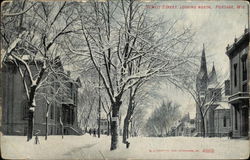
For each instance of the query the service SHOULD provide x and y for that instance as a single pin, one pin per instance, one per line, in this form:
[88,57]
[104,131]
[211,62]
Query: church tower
[202,76]
[201,86]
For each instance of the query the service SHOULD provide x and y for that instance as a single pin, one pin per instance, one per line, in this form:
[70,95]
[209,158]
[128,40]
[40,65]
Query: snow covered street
[88,147]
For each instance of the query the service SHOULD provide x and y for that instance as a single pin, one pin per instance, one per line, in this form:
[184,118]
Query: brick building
[238,54]
[15,105]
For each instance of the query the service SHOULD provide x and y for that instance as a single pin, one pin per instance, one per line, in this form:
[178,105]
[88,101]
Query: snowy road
[88,147]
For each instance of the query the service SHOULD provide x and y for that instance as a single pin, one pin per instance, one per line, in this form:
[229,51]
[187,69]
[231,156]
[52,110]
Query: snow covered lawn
[89,147]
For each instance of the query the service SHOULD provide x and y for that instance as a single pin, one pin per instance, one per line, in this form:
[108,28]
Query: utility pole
[99,108]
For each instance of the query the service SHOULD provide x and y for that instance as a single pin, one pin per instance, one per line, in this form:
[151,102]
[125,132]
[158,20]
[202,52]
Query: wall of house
[209,122]
[13,122]
[222,128]
[14,102]
[235,58]
[248,81]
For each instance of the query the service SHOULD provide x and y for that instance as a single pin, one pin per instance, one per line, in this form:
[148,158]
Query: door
[244,125]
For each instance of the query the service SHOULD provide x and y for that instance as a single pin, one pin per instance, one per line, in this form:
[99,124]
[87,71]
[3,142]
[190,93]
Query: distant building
[183,127]
[15,105]
[104,126]
[238,54]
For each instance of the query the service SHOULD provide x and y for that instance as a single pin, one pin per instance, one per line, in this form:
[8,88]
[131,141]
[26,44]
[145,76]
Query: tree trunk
[46,121]
[62,131]
[61,123]
[125,129]
[203,126]
[128,130]
[114,124]
[32,104]
[202,123]
[131,129]
[108,127]
[30,124]
[46,129]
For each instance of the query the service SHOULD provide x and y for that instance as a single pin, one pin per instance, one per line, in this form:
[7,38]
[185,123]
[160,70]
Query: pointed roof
[202,77]
[79,83]
[203,67]
[212,78]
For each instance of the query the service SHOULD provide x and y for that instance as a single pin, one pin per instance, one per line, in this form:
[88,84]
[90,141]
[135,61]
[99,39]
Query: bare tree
[137,121]
[107,110]
[55,90]
[88,102]
[162,118]
[135,97]
[119,34]
[31,33]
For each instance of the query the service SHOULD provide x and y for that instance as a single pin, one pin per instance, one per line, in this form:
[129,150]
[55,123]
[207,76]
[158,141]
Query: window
[235,75]
[244,63]
[58,115]
[236,118]
[244,87]
[51,130]
[244,69]
[52,111]
[72,116]
[224,121]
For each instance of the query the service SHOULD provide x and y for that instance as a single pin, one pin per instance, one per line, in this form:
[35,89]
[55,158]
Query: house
[15,103]
[183,127]
[104,126]
[239,99]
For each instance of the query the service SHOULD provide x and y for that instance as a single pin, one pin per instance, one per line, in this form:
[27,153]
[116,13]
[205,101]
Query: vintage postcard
[125,79]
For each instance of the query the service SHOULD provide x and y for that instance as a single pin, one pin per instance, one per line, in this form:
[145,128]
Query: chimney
[227,87]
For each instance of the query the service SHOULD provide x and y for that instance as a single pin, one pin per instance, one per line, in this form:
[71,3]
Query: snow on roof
[224,98]
[222,105]
[212,85]
[189,125]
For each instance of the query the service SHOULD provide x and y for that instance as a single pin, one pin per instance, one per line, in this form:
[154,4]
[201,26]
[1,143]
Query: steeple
[212,78]
[203,60]
[202,77]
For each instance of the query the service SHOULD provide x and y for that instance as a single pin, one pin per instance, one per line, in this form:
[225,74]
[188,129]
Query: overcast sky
[215,28]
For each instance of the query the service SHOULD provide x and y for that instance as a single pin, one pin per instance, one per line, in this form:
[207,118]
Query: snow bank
[89,147]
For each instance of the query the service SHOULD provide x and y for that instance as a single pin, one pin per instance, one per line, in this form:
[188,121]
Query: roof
[203,67]
[189,125]
[222,105]
[237,42]
[212,77]
[212,85]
